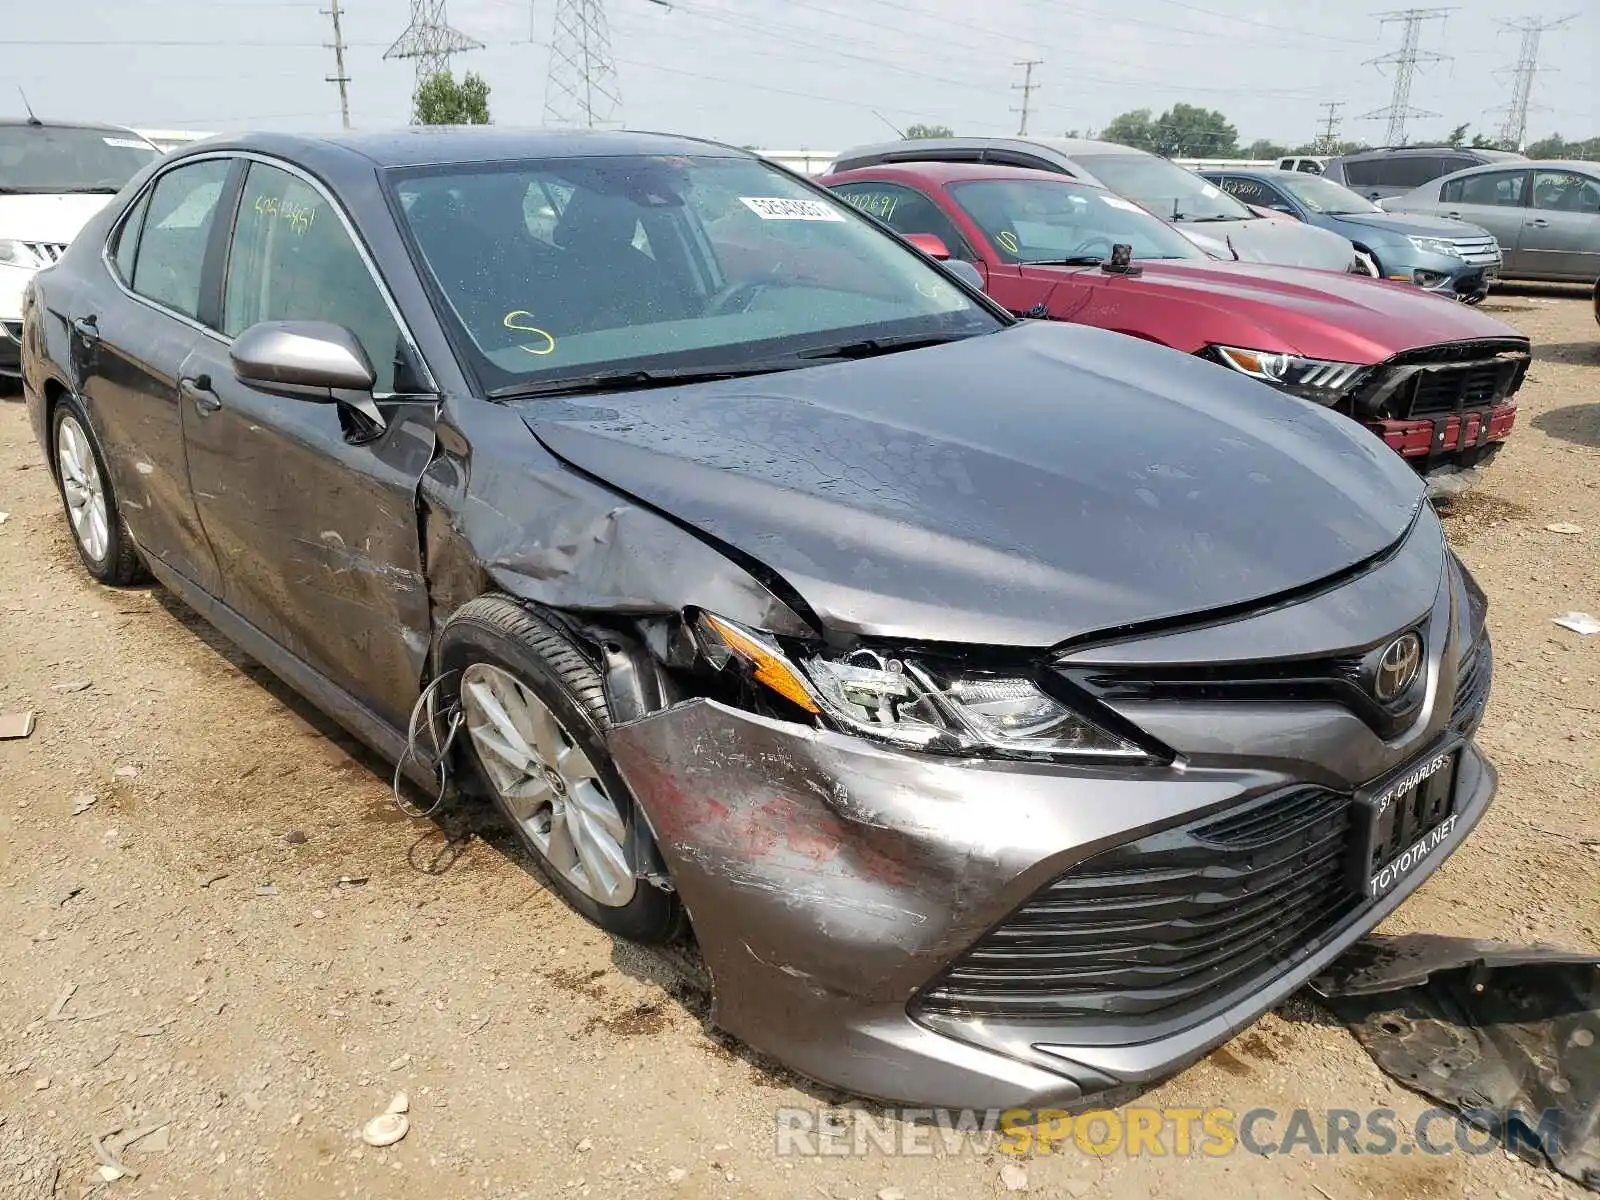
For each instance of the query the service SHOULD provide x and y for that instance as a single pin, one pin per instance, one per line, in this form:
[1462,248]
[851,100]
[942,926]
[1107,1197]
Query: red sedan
[1434,379]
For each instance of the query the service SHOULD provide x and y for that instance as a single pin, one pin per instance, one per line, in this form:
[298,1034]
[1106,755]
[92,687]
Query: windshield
[1325,196]
[572,265]
[56,158]
[1041,220]
[1165,188]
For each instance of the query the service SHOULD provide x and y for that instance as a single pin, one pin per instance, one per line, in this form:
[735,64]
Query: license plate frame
[1403,819]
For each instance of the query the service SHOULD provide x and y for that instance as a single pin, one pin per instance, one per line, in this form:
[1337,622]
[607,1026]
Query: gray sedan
[1546,215]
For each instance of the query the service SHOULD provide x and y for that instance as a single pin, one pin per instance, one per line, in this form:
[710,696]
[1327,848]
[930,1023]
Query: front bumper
[1451,450]
[831,882]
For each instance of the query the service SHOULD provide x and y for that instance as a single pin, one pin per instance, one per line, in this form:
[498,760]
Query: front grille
[1442,380]
[1452,389]
[49,252]
[1163,925]
[1472,685]
[1479,252]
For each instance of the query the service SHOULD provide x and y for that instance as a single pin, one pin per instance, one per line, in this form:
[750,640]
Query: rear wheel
[535,716]
[103,541]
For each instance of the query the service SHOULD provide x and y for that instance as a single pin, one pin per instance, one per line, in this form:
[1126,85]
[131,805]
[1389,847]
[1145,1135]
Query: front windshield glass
[57,158]
[1165,188]
[1325,196]
[1037,220]
[572,266]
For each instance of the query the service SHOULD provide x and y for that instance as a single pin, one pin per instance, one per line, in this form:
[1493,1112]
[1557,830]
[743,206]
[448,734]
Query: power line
[1514,132]
[1405,62]
[339,77]
[1026,87]
[429,41]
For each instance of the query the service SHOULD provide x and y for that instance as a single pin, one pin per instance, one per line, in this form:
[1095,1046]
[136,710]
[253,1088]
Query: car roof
[1469,151]
[904,150]
[958,172]
[1269,172]
[436,145]
[41,123]
[1580,166]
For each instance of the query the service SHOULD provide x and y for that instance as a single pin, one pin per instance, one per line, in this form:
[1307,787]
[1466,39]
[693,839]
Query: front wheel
[535,716]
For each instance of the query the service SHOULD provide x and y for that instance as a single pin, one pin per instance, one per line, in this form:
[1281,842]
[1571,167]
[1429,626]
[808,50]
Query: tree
[1183,129]
[443,101]
[1556,146]
[1263,150]
[917,132]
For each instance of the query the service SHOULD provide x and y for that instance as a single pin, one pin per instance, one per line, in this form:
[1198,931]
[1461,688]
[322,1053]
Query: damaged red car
[1009,711]
[1436,383]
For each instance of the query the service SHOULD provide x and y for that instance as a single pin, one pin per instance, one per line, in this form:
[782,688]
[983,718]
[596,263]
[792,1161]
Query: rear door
[1495,201]
[130,344]
[311,506]
[1561,226]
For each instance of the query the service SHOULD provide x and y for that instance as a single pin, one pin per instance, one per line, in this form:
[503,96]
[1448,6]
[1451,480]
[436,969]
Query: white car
[53,178]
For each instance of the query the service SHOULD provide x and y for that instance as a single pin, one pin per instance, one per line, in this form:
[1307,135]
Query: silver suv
[1392,170]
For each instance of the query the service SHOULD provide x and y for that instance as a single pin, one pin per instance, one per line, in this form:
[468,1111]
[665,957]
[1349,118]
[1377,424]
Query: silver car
[1545,214]
[1203,212]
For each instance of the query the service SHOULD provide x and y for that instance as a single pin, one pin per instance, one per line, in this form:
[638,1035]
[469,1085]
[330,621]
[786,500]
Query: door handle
[87,329]
[1455,216]
[1539,223]
[199,390]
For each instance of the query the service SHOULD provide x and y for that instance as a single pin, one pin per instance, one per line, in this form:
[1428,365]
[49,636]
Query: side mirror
[930,244]
[310,359]
[964,271]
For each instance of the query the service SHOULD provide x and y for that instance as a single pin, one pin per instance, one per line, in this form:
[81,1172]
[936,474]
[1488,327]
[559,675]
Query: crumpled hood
[1408,225]
[1346,318]
[1283,243]
[48,218]
[1023,488]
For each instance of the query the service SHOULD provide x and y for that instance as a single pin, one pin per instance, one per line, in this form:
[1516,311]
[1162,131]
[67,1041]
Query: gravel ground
[180,958]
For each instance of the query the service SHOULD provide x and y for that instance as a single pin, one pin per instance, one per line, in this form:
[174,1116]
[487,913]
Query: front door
[130,349]
[311,507]
[1561,226]
[1494,201]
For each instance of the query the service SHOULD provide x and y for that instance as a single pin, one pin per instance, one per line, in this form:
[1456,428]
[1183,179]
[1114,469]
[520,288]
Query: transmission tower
[1327,139]
[581,88]
[1027,87]
[1514,132]
[430,41]
[1405,60]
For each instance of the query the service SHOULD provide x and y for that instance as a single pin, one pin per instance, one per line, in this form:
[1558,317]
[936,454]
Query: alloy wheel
[547,784]
[84,491]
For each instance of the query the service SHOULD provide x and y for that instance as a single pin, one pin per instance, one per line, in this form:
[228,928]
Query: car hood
[1346,318]
[1406,225]
[1285,243]
[48,218]
[1022,488]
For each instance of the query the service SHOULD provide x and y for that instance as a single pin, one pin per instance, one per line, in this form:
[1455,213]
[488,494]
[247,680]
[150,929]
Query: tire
[100,534]
[1370,262]
[494,649]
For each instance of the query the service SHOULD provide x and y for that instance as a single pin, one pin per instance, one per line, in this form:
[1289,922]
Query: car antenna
[898,132]
[32,120]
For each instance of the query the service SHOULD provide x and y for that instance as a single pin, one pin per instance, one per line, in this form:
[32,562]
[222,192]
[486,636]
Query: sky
[804,74]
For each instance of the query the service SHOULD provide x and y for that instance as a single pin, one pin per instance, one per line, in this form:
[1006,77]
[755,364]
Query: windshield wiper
[871,347]
[1211,220]
[622,381]
[1076,260]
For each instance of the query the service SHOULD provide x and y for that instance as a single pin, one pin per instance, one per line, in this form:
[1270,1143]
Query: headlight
[915,702]
[17,254]
[1317,379]
[1435,246]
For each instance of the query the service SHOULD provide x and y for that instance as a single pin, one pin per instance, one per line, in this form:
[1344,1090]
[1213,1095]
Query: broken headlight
[1321,380]
[914,702]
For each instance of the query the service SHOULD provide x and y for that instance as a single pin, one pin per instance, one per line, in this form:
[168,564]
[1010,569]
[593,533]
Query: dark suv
[1391,170]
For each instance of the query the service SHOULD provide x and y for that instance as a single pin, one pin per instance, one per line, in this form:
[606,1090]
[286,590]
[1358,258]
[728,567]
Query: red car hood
[1348,318]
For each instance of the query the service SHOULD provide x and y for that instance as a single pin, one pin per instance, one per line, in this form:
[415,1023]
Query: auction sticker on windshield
[779,208]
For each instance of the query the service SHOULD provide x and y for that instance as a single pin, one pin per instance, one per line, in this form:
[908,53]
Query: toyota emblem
[1398,668]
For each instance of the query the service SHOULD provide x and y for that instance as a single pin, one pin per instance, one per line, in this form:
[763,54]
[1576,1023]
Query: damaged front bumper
[834,886]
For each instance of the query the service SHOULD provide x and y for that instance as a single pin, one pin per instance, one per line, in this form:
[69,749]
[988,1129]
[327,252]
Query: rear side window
[1410,170]
[1565,191]
[292,260]
[127,243]
[177,225]
[1497,189]
[1361,173]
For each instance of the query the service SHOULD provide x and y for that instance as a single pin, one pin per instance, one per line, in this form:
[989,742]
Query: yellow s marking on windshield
[511,323]
[1008,239]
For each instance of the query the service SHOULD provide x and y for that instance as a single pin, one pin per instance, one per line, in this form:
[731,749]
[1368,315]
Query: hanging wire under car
[425,706]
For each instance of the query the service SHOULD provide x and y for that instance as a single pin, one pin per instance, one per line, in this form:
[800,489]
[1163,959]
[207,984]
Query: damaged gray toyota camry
[1009,711]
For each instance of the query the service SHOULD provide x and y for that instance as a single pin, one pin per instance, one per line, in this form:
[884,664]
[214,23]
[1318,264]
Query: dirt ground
[180,952]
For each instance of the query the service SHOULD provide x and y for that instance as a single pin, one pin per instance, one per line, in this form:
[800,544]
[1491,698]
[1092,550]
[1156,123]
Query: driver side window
[292,260]
[905,210]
